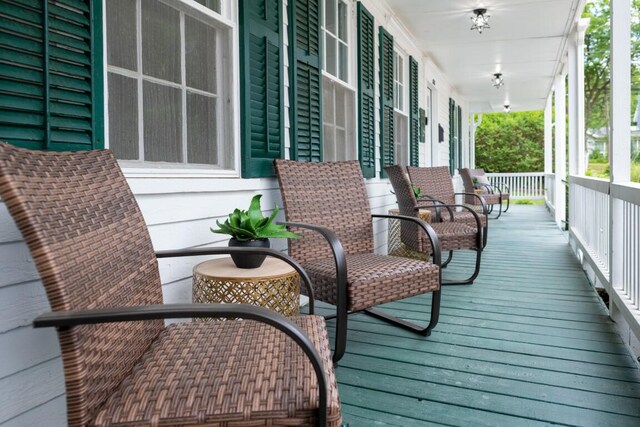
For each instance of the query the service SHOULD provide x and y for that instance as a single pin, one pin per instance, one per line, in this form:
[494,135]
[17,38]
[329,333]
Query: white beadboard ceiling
[526,43]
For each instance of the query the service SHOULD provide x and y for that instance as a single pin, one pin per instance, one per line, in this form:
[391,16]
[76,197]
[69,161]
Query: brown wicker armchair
[452,235]
[492,195]
[122,366]
[436,184]
[490,192]
[328,204]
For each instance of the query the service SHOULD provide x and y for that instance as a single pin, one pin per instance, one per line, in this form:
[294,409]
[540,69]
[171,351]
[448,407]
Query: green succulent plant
[252,224]
[416,191]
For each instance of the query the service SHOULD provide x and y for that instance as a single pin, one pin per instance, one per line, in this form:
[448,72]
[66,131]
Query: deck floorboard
[529,343]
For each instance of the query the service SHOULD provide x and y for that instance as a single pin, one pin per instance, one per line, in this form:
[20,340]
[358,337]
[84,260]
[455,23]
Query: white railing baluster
[527,185]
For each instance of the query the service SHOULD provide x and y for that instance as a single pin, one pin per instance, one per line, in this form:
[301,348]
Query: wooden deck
[529,343]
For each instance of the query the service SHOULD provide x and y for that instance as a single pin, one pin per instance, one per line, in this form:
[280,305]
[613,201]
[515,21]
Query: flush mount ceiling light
[507,108]
[480,20]
[497,81]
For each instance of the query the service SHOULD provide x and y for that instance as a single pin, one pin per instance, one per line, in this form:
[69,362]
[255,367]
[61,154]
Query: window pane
[211,4]
[327,101]
[123,117]
[341,119]
[162,123]
[121,34]
[341,145]
[330,16]
[160,41]
[200,53]
[344,62]
[201,129]
[342,21]
[331,65]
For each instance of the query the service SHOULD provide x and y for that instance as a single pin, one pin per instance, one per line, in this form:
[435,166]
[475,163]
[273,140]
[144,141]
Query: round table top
[225,268]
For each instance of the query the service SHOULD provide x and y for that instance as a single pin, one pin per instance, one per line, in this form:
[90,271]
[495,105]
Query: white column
[548,136]
[573,101]
[560,147]
[620,133]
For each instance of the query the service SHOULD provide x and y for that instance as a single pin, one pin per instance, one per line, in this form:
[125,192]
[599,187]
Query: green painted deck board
[529,343]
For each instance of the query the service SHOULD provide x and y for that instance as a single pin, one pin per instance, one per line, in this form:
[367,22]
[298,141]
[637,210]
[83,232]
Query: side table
[274,285]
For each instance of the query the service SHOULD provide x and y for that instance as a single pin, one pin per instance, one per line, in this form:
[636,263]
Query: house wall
[179,209]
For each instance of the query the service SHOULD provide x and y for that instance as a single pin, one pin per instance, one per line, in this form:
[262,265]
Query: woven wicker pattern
[481,172]
[467,179]
[92,249]
[373,279]
[452,235]
[333,195]
[436,182]
[216,374]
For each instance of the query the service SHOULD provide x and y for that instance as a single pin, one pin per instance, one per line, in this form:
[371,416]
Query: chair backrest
[433,181]
[467,180]
[92,249]
[330,194]
[407,203]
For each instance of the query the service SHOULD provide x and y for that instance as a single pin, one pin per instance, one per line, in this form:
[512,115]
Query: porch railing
[528,185]
[591,202]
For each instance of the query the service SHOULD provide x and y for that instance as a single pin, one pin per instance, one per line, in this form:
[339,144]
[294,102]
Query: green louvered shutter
[51,74]
[459,123]
[452,130]
[262,86]
[414,113]
[386,100]
[305,80]
[366,92]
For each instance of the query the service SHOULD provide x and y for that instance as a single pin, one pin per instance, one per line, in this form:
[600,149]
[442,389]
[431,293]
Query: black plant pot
[248,260]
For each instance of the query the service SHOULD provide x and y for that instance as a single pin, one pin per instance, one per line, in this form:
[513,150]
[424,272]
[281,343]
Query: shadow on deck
[529,343]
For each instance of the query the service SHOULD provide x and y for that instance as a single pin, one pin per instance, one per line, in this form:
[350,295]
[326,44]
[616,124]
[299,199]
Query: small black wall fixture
[440,133]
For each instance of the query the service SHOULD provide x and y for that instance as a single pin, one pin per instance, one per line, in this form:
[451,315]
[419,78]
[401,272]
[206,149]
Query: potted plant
[251,228]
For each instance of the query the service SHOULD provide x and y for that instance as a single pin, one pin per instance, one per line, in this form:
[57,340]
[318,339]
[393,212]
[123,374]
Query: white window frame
[227,110]
[400,110]
[349,18]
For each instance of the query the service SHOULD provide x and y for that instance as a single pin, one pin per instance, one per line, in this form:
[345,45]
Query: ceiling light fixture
[480,21]
[497,80]
[507,108]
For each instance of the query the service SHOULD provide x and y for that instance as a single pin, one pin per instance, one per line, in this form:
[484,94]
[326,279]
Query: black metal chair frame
[341,282]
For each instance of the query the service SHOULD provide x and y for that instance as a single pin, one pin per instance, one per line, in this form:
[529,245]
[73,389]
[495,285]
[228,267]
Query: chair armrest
[485,211]
[433,237]
[338,256]
[67,319]
[436,202]
[270,252]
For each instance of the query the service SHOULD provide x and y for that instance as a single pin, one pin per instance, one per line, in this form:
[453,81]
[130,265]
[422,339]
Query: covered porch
[529,343]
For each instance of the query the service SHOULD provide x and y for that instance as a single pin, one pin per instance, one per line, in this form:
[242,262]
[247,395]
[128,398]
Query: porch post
[577,160]
[620,131]
[548,136]
[560,148]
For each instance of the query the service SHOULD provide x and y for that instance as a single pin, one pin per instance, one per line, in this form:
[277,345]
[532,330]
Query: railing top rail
[629,192]
[596,184]
[496,174]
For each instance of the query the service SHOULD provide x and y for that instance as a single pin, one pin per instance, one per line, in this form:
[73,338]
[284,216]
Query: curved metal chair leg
[435,315]
[448,260]
[485,231]
[508,204]
[499,210]
[473,277]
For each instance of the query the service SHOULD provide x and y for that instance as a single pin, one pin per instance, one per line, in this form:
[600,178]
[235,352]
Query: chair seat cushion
[232,372]
[490,199]
[373,279]
[466,217]
[452,236]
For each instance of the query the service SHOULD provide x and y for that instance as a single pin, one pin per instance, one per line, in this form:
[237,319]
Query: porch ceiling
[526,43]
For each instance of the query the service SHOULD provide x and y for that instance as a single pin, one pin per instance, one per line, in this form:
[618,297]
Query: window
[401,120]
[168,82]
[338,96]
[336,39]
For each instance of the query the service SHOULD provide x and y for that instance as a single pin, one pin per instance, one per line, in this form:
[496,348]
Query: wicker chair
[328,204]
[488,191]
[452,235]
[436,184]
[92,249]
[492,196]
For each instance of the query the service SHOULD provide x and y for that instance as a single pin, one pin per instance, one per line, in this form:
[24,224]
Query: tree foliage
[511,142]
[597,61]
